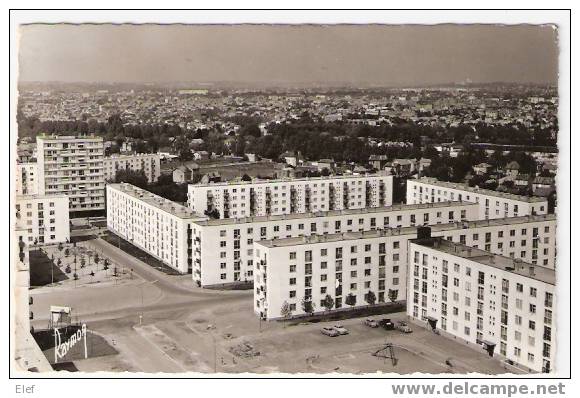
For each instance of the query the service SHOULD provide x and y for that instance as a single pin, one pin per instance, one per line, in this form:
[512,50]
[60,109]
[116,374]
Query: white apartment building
[150,163]
[492,204]
[45,218]
[290,269]
[223,248]
[26,178]
[504,305]
[72,166]
[278,197]
[154,224]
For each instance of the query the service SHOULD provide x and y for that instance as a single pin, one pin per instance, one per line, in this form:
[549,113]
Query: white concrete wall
[290,196]
[210,251]
[492,204]
[72,166]
[150,163]
[46,225]
[460,315]
[156,231]
[26,179]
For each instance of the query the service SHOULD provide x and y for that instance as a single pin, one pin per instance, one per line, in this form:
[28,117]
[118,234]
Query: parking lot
[231,340]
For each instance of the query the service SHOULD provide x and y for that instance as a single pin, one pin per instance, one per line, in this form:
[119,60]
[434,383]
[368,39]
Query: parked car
[371,323]
[340,329]
[404,327]
[330,332]
[387,324]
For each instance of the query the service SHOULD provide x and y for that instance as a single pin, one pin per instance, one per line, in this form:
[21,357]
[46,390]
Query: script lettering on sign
[62,348]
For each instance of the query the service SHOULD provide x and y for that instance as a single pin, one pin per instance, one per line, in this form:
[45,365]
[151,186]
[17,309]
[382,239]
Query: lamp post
[142,303]
[52,270]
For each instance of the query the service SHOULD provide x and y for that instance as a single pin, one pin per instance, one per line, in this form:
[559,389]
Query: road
[162,293]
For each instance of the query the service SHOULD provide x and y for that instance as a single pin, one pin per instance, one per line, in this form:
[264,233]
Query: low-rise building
[154,224]
[504,305]
[149,163]
[278,197]
[492,204]
[44,217]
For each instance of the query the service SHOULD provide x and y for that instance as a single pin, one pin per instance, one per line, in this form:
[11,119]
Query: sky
[282,54]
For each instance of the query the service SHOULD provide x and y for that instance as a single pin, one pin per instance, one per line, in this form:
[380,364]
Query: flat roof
[464,187]
[38,196]
[68,137]
[128,155]
[229,183]
[157,201]
[515,266]
[332,213]
[387,232]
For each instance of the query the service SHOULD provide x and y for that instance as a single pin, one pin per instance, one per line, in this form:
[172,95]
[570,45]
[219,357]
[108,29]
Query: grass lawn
[346,313]
[134,251]
[40,269]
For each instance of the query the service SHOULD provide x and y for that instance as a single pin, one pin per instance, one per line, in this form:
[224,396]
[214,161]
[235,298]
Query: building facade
[149,163]
[223,248]
[310,267]
[72,166]
[45,218]
[26,178]
[279,197]
[154,224]
[504,305]
[492,204]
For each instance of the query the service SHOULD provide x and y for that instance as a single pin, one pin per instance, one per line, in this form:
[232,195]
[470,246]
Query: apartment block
[26,178]
[492,204]
[154,224]
[291,269]
[279,197]
[223,248]
[72,166]
[504,305]
[44,217]
[149,163]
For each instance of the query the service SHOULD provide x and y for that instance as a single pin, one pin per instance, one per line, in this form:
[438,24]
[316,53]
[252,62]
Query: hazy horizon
[369,55]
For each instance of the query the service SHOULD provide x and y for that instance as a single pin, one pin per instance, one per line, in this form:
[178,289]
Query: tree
[307,306]
[185,154]
[350,300]
[133,177]
[67,252]
[285,311]
[68,269]
[246,177]
[328,302]
[215,214]
[393,294]
[371,298]
[96,258]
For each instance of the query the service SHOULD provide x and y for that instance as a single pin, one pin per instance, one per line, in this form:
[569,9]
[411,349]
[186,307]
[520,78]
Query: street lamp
[141,289]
